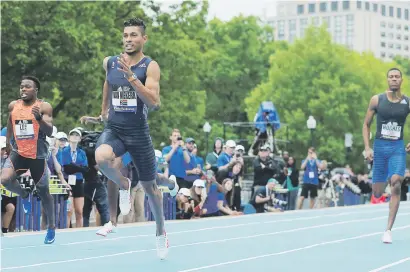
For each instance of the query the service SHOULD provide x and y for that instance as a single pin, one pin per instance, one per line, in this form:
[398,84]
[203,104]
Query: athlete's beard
[131,54]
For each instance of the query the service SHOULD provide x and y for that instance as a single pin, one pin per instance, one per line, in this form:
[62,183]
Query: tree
[315,77]
[63,44]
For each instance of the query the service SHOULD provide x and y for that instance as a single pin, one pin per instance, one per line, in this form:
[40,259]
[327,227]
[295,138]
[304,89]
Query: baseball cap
[230,143]
[76,130]
[185,191]
[272,180]
[3,142]
[190,140]
[61,135]
[199,183]
[239,148]
[264,147]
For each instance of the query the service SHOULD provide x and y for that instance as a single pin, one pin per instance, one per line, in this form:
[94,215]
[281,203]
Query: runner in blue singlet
[389,157]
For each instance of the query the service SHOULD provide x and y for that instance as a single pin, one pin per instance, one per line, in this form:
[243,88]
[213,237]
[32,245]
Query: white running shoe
[106,229]
[387,239]
[162,246]
[174,191]
[125,199]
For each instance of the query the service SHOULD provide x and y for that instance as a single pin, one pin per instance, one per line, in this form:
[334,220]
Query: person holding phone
[177,156]
[311,166]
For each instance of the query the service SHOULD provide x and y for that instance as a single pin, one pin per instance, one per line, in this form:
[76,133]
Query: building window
[301,9]
[338,37]
[398,46]
[391,55]
[391,36]
[383,10]
[406,28]
[315,21]
[303,26]
[281,30]
[391,25]
[350,20]
[375,7]
[383,54]
[406,14]
[398,36]
[383,34]
[367,5]
[399,13]
[390,45]
[398,27]
[312,8]
[383,44]
[346,5]
[323,7]
[383,24]
[406,47]
[406,38]
[334,5]
[292,30]
[359,4]
[391,11]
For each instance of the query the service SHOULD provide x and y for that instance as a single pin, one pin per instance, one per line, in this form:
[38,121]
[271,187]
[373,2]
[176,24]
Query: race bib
[311,174]
[391,131]
[24,129]
[72,179]
[124,99]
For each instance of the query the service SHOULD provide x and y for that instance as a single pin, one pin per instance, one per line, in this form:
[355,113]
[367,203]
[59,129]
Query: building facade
[380,27]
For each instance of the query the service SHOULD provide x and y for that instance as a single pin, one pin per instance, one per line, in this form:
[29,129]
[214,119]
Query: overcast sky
[226,9]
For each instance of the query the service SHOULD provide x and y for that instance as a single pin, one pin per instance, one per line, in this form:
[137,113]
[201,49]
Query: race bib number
[391,131]
[24,129]
[311,174]
[124,99]
[72,179]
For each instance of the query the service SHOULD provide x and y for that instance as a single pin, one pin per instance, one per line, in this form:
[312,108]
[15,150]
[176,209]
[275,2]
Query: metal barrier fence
[32,221]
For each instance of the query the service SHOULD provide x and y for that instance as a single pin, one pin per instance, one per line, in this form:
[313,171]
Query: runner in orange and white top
[29,123]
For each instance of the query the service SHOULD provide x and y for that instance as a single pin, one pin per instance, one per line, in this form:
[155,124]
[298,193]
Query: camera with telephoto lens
[279,202]
[27,182]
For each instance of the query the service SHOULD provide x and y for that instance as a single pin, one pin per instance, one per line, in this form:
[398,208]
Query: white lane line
[391,265]
[292,250]
[201,229]
[219,218]
[202,243]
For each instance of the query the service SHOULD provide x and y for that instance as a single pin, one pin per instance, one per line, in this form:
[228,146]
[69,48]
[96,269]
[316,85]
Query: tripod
[327,193]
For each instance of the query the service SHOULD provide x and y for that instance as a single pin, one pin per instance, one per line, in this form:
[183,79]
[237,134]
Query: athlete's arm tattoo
[149,93]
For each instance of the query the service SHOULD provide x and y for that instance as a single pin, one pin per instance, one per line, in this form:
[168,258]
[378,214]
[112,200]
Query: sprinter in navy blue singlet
[389,151]
[130,89]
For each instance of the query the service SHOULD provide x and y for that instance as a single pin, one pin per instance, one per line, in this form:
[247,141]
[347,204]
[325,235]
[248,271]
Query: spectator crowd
[214,186]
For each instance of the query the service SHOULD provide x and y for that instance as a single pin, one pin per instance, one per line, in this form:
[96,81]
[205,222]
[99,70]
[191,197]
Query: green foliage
[316,77]
[210,71]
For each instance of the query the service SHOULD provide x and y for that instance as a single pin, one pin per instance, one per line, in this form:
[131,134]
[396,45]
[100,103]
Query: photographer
[94,189]
[235,174]
[264,167]
[177,156]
